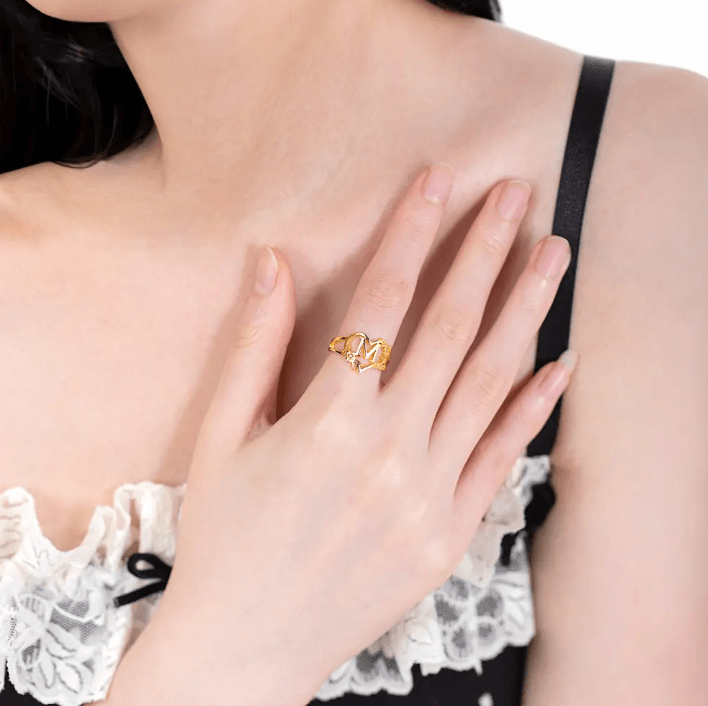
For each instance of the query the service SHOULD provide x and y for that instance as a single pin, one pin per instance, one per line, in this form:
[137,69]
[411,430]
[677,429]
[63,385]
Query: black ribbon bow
[159,570]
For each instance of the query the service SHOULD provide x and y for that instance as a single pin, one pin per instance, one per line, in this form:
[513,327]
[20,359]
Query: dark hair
[67,95]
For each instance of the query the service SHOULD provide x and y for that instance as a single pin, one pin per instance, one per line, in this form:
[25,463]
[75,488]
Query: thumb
[246,392]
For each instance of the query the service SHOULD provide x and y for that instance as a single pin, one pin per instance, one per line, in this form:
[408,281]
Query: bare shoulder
[644,249]
[619,583]
[23,197]
[13,226]
[650,174]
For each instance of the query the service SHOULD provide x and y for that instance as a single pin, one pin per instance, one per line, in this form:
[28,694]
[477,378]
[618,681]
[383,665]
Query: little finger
[486,377]
[495,455]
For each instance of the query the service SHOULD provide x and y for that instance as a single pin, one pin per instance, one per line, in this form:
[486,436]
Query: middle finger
[452,318]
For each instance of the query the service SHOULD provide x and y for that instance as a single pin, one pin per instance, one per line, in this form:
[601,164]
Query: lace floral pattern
[481,609]
[61,636]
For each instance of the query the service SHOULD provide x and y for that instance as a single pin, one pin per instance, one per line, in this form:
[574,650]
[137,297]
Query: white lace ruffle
[481,609]
[61,636]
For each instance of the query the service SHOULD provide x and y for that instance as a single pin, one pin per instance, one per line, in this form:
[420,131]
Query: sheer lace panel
[62,635]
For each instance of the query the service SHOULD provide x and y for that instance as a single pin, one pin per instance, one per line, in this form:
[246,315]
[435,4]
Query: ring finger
[451,320]
[386,288]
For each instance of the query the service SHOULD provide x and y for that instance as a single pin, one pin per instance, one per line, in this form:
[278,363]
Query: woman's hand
[303,541]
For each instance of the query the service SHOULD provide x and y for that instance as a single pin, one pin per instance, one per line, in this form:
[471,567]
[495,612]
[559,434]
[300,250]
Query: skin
[304,132]
[166,236]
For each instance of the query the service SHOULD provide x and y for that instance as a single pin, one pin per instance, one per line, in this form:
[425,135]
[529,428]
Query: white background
[666,33]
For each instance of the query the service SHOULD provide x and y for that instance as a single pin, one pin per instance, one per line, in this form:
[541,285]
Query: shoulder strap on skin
[581,147]
[554,335]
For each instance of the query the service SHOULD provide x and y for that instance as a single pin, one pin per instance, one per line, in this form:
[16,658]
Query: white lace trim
[61,636]
[480,610]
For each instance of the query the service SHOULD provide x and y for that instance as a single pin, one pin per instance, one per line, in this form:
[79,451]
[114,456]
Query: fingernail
[512,202]
[266,271]
[569,359]
[558,377]
[552,255]
[438,182]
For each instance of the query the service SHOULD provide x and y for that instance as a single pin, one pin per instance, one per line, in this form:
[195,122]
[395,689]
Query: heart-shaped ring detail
[352,353]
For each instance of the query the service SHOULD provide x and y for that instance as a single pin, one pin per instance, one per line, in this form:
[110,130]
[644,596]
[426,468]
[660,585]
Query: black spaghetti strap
[581,147]
[554,335]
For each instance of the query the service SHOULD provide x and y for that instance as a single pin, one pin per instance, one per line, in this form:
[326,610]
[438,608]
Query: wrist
[171,663]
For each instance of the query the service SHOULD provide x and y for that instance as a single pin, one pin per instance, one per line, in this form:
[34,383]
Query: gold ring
[351,355]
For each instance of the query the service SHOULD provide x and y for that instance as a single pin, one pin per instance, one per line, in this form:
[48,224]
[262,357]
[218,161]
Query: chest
[109,357]
[108,362]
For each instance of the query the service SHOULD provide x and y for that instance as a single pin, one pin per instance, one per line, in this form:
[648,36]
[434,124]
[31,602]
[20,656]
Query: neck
[289,108]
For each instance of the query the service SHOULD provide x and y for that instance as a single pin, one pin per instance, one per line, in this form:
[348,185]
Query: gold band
[370,347]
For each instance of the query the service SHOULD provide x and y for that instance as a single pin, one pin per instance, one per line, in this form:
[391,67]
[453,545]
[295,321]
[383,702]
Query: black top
[502,677]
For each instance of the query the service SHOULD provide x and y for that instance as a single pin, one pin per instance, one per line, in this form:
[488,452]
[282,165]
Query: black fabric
[576,174]
[543,498]
[554,335]
[502,677]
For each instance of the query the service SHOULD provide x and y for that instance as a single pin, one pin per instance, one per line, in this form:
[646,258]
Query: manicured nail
[553,254]
[558,376]
[266,272]
[569,359]
[513,200]
[438,182]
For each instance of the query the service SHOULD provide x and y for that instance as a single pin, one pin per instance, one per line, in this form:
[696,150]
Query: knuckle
[387,472]
[487,382]
[385,290]
[418,220]
[496,456]
[499,459]
[534,301]
[452,324]
[248,335]
[412,520]
[469,415]
[494,243]
[415,509]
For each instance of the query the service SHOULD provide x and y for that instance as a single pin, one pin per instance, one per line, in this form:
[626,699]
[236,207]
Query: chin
[92,11]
